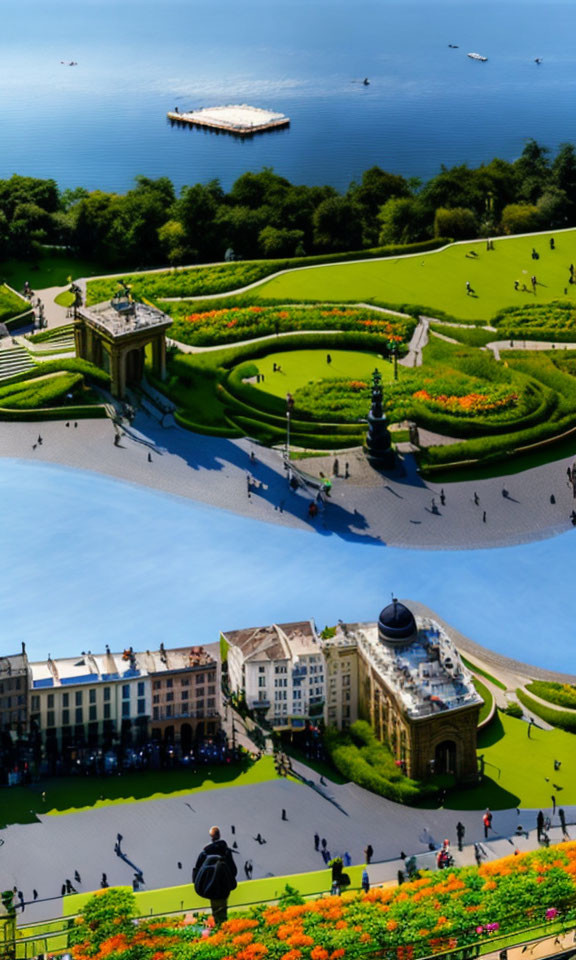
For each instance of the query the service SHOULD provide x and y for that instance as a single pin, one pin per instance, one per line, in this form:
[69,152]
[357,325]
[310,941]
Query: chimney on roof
[23,648]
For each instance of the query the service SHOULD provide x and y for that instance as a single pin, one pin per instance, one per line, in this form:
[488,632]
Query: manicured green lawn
[48,270]
[438,280]
[519,770]
[69,794]
[299,367]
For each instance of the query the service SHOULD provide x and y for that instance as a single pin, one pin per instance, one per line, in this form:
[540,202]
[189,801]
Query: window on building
[184,694]
[50,701]
[141,706]
[262,681]
[200,691]
[169,710]
[156,685]
[92,713]
[65,699]
[297,694]
[200,704]
[211,691]
[185,682]
[78,698]
[261,669]
[346,695]
[65,717]
[92,696]
[170,696]
[262,695]
[125,691]
[106,711]
[169,683]
[156,712]
[199,678]
[211,703]
[35,704]
[50,718]
[346,712]
[126,708]
[156,698]
[346,680]
[106,694]
[141,690]
[79,718]
[211,677]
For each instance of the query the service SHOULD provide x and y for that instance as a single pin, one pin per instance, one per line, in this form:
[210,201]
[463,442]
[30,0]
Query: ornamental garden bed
[533,893]
[231,324]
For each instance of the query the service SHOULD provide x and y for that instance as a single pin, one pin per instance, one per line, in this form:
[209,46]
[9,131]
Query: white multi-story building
[89,700]
[280,671]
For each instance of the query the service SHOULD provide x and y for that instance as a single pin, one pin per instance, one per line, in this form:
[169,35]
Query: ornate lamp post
[393,349]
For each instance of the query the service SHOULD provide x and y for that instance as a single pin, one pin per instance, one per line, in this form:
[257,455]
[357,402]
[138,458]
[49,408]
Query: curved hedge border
[564,719]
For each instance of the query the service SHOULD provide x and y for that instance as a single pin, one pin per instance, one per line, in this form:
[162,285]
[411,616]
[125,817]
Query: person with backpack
[214,876]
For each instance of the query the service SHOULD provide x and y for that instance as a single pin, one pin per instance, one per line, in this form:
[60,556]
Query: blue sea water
[103,122]
[87,560]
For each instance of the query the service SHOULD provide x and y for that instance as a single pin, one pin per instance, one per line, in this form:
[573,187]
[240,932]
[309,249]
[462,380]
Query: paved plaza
[159,834]
[399,510]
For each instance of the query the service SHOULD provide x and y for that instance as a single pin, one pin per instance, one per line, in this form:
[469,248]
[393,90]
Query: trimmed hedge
[564,719]
[72,364]
[11,305]
[562,694]
[487,697]
[482,673]
[360,757]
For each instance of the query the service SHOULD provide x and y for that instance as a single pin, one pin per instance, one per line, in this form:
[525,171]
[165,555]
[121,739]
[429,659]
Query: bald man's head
[214,833]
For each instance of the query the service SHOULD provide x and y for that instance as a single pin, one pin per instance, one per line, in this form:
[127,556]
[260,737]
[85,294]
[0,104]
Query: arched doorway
[169,735]
[445,757]
[186,737]
[135,365]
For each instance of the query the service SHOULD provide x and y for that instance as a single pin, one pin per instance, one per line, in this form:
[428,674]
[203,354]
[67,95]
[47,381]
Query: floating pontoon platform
[239,119]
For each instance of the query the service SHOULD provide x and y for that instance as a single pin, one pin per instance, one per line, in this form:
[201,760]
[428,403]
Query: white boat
[477,56]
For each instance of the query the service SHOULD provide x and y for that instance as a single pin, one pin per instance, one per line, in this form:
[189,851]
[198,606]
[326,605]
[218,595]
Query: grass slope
[70,794]
[519,771]
[438,280]
[184,897]
[11,304]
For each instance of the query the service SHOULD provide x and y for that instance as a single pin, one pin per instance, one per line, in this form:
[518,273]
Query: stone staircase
[14,360]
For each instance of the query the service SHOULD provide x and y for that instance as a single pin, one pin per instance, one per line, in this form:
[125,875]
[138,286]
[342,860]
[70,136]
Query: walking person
[284,817]
[35,894]
[487,821]
[369,853]
[365,881]
[316,842]
[214,875]
[460,831]
[442,497]
[530,725]
[104,881]
[468,288]
[484,517]
[539,825]
[77,877]
[328,359]
[553,799]
[478,854]
[562,816]
[324,843]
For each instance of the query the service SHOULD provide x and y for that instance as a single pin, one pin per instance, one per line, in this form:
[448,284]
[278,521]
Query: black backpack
[214,880]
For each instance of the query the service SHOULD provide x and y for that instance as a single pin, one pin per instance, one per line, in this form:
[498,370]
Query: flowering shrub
[438,912]
[469,404]
[228,325]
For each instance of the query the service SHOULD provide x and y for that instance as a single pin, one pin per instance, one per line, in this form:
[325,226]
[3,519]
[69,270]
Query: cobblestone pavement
[398,510]
[159,834]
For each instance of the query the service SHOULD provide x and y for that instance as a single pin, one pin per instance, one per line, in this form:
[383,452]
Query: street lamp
[393,348]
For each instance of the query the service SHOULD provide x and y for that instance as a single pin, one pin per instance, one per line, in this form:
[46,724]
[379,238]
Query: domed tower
[396,625]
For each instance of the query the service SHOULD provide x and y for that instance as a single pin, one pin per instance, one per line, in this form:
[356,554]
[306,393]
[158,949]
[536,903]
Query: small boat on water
[453,46]
[538,60]
[477,56]
[366,82]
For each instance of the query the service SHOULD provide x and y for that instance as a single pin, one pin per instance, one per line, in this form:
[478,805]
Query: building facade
[412,688]
[186,695]
[14,695]
[280,671]
[124,699]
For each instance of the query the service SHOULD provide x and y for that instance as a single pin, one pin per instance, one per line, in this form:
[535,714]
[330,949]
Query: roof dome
[396,624]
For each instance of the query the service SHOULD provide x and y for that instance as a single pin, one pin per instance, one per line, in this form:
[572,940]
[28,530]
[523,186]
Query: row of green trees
[264,215]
